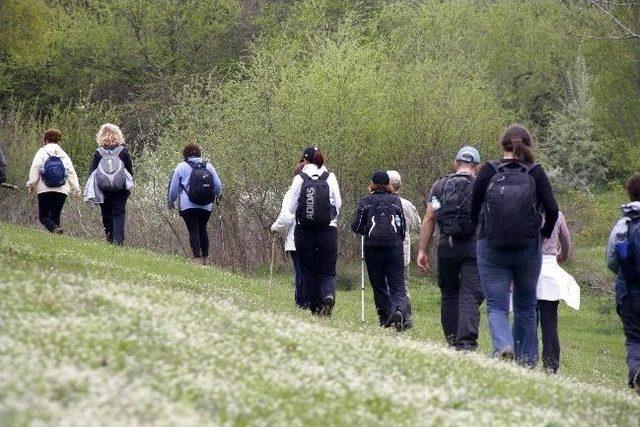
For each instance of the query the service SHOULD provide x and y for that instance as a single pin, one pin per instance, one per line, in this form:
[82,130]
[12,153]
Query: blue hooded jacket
[180,182]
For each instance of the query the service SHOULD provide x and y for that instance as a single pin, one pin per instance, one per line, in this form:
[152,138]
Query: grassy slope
[97,334]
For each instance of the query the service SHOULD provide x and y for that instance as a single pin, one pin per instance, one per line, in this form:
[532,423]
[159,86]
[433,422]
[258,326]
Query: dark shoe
[551,371]
[327,306]
[636,382]
[466,347]
[58,231]
[506,354]
[396,319]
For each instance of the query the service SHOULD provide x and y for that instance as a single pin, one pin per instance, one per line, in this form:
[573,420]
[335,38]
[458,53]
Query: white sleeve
[294,194]
[335,192]
[72,177]
[285,219]
[34,171]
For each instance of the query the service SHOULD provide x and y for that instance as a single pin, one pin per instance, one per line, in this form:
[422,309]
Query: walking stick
[9,186]
[362,279]
[273,258]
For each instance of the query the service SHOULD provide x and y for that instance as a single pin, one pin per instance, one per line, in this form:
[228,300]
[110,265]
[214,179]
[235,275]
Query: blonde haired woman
[109,162]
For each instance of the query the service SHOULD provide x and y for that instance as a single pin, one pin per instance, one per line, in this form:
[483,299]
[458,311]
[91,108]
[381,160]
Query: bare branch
[632,34]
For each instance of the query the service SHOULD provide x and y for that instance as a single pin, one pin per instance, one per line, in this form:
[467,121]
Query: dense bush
[375,84]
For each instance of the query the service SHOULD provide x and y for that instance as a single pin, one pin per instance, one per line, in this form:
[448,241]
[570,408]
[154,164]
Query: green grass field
[93,334]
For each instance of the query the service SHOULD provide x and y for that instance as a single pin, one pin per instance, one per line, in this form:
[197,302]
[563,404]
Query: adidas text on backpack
[53,172]
[200,189]
[511,215]
[314,204]
[111,174]
[454,215]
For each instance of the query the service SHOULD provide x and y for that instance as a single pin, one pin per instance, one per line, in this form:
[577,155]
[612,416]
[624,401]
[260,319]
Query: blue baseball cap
[468,154]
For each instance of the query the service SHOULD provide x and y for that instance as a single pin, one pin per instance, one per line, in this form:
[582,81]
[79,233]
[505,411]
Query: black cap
[309,153]
[380,177]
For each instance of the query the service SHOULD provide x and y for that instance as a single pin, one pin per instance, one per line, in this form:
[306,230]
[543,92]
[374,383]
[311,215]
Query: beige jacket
[38,162]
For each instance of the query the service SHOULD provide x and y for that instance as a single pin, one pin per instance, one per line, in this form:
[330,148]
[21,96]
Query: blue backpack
[626,252]
[53,173]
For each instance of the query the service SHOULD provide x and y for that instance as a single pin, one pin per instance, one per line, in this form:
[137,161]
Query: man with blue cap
[449,206]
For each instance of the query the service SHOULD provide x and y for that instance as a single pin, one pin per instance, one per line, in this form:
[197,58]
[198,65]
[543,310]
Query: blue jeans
[498,269]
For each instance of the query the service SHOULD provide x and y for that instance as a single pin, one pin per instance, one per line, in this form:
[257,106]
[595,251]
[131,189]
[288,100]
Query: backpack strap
[324,176]
[195,165]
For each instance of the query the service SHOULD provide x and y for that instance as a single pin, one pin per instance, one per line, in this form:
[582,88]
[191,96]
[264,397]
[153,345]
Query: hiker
[315,201]
[111,174]
[380,219]
[623,258]
[510,193]
[554,284]
[286,225]
[449,206]
[52,177]
[413,221]
[197,184]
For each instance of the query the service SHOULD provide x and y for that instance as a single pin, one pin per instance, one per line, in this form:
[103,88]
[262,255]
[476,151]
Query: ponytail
[318,159]
[516,139]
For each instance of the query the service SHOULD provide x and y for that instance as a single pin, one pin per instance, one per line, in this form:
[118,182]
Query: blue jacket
[619,231]
[180,181]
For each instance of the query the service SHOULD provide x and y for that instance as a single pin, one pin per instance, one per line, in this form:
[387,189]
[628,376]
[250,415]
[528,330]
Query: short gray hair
[395,180]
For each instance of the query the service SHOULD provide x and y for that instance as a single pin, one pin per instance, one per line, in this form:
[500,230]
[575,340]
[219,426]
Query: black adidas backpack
[385,222]
[454,215]
[200,190]
[511,215]
[314,204]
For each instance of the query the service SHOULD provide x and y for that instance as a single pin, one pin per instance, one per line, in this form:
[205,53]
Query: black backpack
[314,205]
[454,215]
[385,223]
[201,190]
[511,215]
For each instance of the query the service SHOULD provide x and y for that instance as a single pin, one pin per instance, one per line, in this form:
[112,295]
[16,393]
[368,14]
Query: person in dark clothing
[113,208]
[458,277]
[315,202]
[509,193]
[195,216]
[623,259]
[379,217]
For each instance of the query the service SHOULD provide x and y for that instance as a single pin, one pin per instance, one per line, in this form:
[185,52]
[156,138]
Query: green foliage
[571,150]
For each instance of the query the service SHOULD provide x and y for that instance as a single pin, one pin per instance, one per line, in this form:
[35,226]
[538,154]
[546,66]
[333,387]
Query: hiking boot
[396,319]
[58,230]
[551,371]
[327,306]
[506,355]
[636,382]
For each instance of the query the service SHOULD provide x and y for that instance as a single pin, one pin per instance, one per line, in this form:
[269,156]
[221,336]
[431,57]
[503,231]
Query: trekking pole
[362,279]
[80,219]
[9,186]
[273,259]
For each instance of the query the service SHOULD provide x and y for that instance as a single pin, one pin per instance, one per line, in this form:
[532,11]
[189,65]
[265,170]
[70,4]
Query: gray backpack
[111,174]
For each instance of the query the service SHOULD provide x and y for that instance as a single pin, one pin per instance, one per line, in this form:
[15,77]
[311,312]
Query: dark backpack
[454,215]
[511,215]
[201,189]
[385,223]
[626,252]
[53,172]
[314,205]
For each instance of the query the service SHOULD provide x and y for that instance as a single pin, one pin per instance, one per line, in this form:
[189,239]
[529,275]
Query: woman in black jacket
[111,140]
[508,198]
[380,219]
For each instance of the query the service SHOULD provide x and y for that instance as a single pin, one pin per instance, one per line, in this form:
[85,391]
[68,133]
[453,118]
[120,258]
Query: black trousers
[196,221]
[386,274]
[548,321]
[113,215]
[317,250]
[462,296]
[50,206]
[629,312]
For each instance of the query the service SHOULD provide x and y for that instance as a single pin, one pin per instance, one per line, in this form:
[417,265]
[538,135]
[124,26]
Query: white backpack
[111,174]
